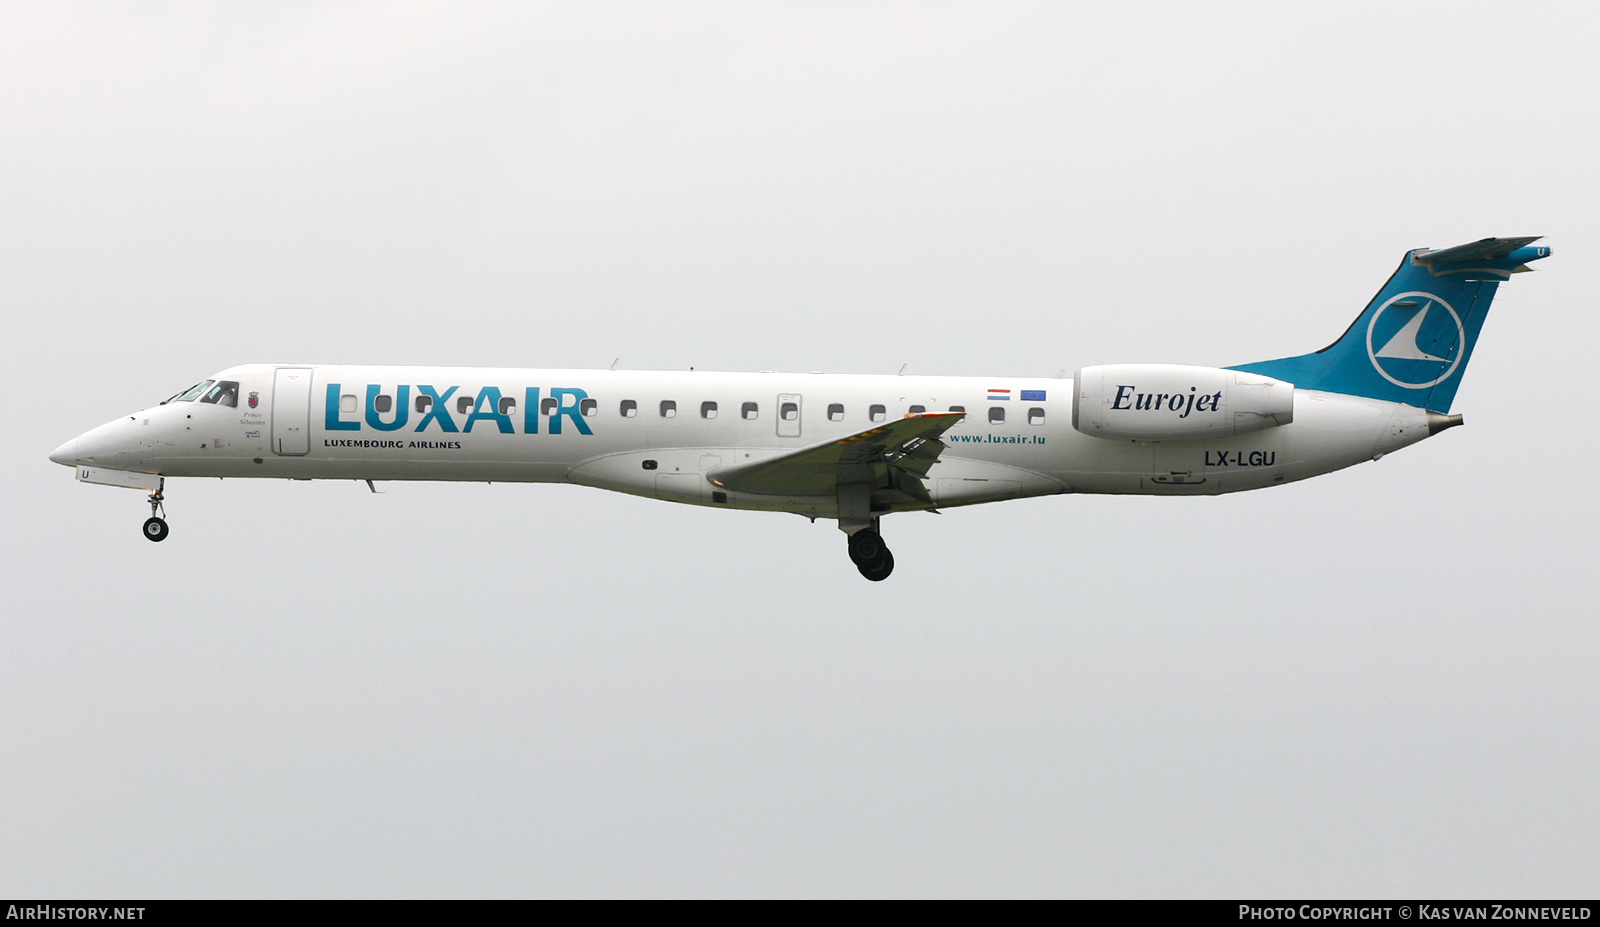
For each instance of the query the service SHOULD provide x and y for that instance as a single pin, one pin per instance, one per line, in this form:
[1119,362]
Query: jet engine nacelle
[1166,402]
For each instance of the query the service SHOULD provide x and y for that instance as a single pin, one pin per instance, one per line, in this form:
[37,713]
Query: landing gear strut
[870,555]
[155,527]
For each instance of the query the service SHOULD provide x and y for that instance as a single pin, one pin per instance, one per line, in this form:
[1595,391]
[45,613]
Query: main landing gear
[155,527]
[870,554]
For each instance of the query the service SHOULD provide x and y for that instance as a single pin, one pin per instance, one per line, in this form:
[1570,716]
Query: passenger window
[789,411]
[589,407]
[1036,416]
[347,403]
[916,410]
[225,393]
[383,404]
[708,410]
[547,406]
[464,405]
[958,408]
[835,412]
[997,415]
[877,413]
[507,405]
[669,408]
[750,410]
[424,403]
[629,408]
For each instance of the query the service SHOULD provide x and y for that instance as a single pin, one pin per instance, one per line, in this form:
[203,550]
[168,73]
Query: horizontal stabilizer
[1488,249]
[910,446]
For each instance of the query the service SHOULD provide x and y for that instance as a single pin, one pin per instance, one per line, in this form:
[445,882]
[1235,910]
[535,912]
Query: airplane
[852,448]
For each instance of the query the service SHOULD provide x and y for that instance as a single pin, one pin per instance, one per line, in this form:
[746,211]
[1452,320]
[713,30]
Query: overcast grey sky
[1378,682]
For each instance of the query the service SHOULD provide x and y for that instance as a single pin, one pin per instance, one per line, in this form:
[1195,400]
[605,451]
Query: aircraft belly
[356,469]
[678,474]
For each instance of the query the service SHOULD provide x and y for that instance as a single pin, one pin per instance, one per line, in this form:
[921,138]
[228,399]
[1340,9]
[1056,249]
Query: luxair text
[488,407]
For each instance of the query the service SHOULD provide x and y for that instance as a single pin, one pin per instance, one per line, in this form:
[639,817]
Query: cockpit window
[225,393]
[189,394]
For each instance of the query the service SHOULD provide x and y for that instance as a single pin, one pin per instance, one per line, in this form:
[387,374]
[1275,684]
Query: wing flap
[906,448]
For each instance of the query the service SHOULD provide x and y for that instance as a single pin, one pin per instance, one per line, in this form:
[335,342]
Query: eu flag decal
[1033,395]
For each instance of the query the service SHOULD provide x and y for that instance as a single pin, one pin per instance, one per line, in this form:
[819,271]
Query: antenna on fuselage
[903,368]
[615,363]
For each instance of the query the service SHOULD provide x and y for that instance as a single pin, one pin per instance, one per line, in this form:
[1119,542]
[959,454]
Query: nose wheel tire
[155,529]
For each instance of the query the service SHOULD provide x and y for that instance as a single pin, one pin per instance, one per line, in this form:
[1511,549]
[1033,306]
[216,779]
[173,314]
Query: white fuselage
[665,434]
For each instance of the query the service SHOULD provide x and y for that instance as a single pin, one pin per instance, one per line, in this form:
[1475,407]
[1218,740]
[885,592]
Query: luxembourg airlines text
[358,442]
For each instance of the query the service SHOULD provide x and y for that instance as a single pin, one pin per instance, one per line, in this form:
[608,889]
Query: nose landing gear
[870,555]
[155,527]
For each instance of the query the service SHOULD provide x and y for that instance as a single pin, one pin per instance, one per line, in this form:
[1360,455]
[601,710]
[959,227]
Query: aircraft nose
[112,446]
[66,454]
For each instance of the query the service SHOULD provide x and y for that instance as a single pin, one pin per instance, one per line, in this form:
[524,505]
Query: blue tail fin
[1412,342]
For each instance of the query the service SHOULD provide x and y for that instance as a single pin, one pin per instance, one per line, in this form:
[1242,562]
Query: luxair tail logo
[1415,339]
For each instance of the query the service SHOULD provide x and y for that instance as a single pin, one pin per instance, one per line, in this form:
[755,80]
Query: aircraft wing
[893,456]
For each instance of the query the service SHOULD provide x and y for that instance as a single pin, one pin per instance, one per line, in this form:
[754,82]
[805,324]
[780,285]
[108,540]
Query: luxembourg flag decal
[998,394]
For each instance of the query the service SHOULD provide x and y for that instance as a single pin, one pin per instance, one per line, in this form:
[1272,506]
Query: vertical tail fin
[1412,342]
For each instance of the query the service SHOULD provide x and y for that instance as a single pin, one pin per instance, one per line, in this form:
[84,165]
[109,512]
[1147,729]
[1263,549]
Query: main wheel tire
[879,571]
[866,547]
[155,529]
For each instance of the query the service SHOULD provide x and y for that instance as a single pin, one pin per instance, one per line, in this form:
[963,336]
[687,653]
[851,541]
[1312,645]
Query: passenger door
[291,411]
